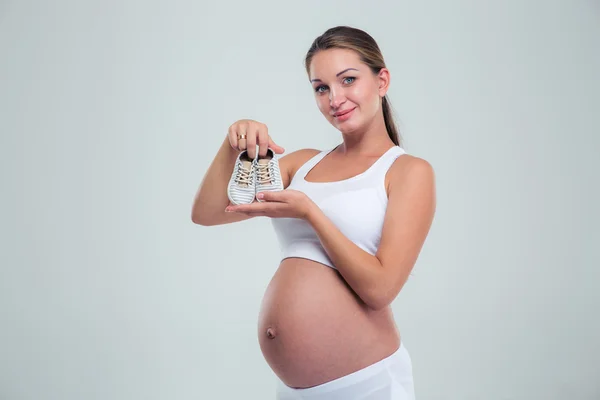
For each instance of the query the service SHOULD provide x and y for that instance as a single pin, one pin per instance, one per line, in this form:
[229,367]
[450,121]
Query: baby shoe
[241,188]
[268,175]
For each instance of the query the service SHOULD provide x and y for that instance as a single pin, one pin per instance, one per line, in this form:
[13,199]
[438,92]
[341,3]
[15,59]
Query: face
[347,92]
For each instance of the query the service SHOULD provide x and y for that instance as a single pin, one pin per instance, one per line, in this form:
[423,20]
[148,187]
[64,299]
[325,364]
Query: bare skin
[312,327]
[316,323]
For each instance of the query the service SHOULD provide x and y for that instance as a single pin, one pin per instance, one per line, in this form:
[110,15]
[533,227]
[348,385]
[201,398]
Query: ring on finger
[242,136]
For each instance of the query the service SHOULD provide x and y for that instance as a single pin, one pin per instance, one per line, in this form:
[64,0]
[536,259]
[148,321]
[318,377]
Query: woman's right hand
[256,133]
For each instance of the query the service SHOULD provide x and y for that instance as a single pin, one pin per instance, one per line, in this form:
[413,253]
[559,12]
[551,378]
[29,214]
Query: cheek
[323,104]
[363,95]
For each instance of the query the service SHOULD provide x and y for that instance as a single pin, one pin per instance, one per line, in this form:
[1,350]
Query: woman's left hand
[278,204]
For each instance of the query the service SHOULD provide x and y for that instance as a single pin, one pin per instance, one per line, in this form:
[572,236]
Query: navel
[271,333]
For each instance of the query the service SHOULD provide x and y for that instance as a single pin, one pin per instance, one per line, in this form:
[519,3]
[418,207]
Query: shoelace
[263,173]
[244,175]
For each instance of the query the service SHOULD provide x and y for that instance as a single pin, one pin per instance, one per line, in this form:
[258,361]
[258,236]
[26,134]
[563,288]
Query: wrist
[312,212]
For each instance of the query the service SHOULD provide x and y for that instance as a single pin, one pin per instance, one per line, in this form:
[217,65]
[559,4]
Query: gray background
[110,113]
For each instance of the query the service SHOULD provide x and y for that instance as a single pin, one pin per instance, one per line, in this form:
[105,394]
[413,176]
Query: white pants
[388,379]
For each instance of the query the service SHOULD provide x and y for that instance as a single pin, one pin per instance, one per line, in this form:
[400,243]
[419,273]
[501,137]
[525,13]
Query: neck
[372,140]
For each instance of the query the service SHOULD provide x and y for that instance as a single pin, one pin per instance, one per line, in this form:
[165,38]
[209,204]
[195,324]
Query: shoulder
[290,163]
[299,155]
[407,171]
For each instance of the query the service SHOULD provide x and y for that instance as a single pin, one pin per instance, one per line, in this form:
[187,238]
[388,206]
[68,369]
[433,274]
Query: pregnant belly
[313,328]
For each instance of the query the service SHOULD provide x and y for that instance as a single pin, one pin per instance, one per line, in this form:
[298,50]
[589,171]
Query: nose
[336,98]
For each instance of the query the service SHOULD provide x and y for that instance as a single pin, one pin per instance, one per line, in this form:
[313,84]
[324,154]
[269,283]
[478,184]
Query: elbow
[378,303]
[200,219]
[378,294]
[381,297]
[377,300]
[200,215]
[197,220]
[383,293]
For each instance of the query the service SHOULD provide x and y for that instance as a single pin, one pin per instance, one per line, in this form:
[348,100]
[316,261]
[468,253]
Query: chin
[346,127]
[349,126]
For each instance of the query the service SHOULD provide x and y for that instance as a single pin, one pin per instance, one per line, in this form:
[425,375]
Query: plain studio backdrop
[111,112]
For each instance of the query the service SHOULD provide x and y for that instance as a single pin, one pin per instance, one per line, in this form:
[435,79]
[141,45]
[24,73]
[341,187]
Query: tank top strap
[382,165]
[386,161]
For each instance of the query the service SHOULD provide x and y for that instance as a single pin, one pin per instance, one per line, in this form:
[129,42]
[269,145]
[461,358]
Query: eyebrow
[338,74]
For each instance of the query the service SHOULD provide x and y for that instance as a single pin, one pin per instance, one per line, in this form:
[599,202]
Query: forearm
[211,198]
[361,270]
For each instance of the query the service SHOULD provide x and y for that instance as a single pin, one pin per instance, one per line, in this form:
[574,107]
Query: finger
[251,144]
[253,213]
[276,148]
[263,141]
[245,211]
[233,141]
[239,130]
[242,131]
[241,208]
[278,195]
[255,207]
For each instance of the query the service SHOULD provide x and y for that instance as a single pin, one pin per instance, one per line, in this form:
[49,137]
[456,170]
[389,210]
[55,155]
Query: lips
[339,114]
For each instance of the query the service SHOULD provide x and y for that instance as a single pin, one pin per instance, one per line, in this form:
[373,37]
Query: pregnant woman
[351,222]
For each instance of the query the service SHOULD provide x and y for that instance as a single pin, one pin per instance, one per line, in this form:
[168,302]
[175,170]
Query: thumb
[276,148]
[270,195]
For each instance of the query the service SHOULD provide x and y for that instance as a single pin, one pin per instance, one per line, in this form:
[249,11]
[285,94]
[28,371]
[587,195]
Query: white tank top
[355,205]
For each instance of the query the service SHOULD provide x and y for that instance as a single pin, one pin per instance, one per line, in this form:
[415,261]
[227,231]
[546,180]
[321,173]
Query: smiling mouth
[343,113]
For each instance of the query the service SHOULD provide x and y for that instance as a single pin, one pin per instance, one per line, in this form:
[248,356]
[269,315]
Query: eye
[317,89]
[350,77]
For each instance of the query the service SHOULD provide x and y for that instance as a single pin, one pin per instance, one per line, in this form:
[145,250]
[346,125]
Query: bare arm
[211,198]
[377,279]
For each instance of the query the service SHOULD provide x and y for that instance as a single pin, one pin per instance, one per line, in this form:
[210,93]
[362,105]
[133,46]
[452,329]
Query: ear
[383,77]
